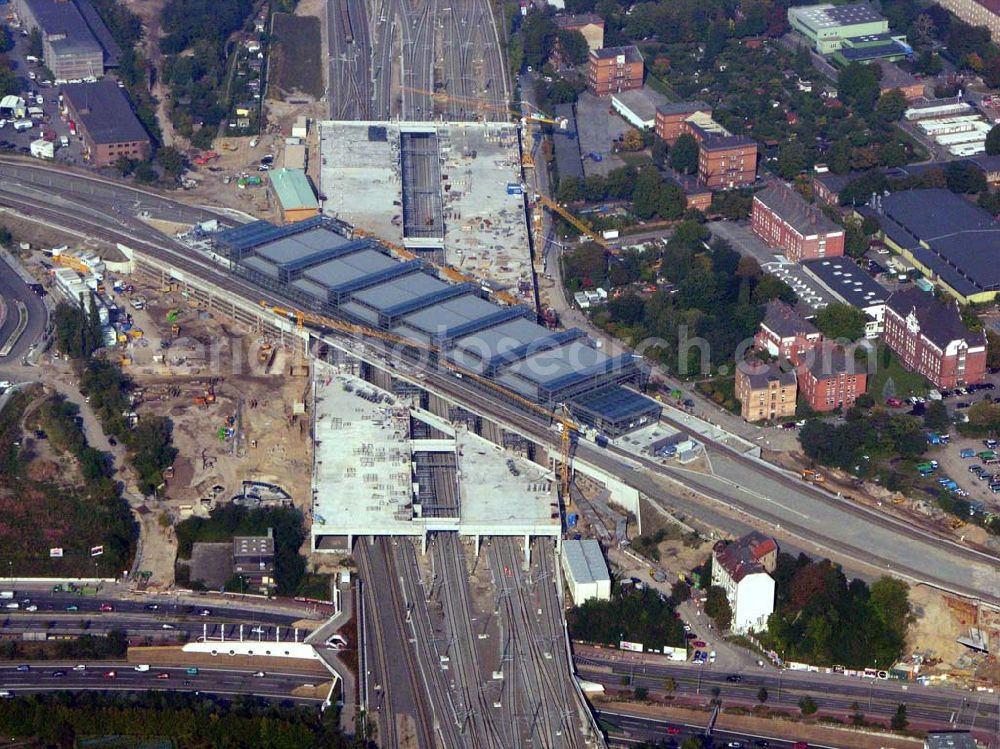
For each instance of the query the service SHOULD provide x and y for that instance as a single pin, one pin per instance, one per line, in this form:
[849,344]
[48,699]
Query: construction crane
[451,273]
[567,428]
[572,220]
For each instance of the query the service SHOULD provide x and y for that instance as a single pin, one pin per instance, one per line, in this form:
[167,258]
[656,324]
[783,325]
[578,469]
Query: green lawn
[904,382]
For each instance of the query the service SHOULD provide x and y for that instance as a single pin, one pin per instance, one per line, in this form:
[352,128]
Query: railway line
[478,721]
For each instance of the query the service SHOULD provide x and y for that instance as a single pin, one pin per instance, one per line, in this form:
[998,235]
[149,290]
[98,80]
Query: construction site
[387,467]
[450,192]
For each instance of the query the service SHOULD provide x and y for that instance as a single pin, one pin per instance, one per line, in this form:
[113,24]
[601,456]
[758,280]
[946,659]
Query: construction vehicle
[957,523]
[124,361]
[568,429]
[206,157]
[264,353]
[447,271]
[229,147]
[175,330]
[210,394]
[814,476]
[70,261]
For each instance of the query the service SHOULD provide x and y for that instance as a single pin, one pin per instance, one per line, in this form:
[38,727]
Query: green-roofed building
[294,194]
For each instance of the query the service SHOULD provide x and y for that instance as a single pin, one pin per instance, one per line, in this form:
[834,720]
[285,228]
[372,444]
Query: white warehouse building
[586,571]
[742,568]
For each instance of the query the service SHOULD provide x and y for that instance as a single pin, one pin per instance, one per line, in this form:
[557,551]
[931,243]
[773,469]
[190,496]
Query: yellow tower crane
[567,428]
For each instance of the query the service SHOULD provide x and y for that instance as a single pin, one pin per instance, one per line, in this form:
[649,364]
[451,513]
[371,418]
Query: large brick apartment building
[724,160]
[783,219]
[833,379]
[106,122]
[615,69]
[785,333]
[930,338]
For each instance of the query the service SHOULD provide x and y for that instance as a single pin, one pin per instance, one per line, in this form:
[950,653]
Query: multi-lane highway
[832,692]
[19,298]
[61,675]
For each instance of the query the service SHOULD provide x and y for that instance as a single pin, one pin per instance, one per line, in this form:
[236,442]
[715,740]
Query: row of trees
[651,195]
[823,619]
[229,520]
[78,335]
[191,720]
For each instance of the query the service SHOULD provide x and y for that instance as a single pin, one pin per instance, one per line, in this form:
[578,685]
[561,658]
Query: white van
[142,667]
[22,125]
[31,58]
[63,141]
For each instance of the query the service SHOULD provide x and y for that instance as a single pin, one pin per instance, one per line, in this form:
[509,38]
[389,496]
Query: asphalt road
[632,729]
[42,678]
[832,692]
[13,289]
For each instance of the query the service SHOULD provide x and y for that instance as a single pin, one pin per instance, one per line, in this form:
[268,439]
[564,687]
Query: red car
[164,675]
[800,745]
[110,674]
[673,730]
[699,644]
[107,607]
[893,402]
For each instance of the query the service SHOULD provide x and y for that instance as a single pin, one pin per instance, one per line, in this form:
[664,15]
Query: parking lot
[598,129]
[960,459]
[745,242]
[36,93]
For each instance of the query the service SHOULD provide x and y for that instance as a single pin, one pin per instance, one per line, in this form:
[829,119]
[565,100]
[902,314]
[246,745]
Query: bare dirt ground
[40,235]
[936,627]
[267,444]
[149,12]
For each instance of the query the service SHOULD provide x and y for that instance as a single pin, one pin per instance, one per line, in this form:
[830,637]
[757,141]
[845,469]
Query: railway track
[430,645]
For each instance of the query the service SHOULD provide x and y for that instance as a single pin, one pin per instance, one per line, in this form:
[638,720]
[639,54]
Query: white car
[141,668]
[80,667]
[32,607]
[14,605]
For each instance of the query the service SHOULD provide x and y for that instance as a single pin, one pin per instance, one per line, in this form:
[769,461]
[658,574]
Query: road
[833,693]
[273,685]
[13,289]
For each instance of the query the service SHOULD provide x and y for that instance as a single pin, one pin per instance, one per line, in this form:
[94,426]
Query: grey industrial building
[318,265]
[75,42]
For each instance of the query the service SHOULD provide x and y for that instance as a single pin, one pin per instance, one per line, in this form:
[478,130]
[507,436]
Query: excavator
[568,429]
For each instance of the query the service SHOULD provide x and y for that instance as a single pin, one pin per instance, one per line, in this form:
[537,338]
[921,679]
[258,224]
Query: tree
[35,48]
[6,40]
[717,607]
[574,46]
[936,416]
[841,322]
[992,349]
[891,105]
[808,705]
[791,160]
[538,32]
[145,173]
[171,161]
[857,84]
[125,165]
[670,685]
[762,695]
[993,141]
[964,178]
[899,721]
[632,140]
[683,155]
[640,693]
[645,196]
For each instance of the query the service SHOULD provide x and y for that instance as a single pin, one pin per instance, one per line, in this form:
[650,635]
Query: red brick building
[728,161]
[696,193]
[832,379]
[930,338]
[615,69]
[724,160]
[673,119]
[782,218]
[106,122]
[786,334]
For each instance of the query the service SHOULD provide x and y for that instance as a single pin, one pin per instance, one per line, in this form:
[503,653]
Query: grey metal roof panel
[615,403]
[310,288]
[448,314]
[548,366]
[585,561]
[360,312]
[501,338]
[261,266]
[356,265]
[303,243]
[394,292]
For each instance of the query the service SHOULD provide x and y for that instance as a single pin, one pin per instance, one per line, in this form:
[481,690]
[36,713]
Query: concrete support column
[423,543]
[527,551]
[476,542]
